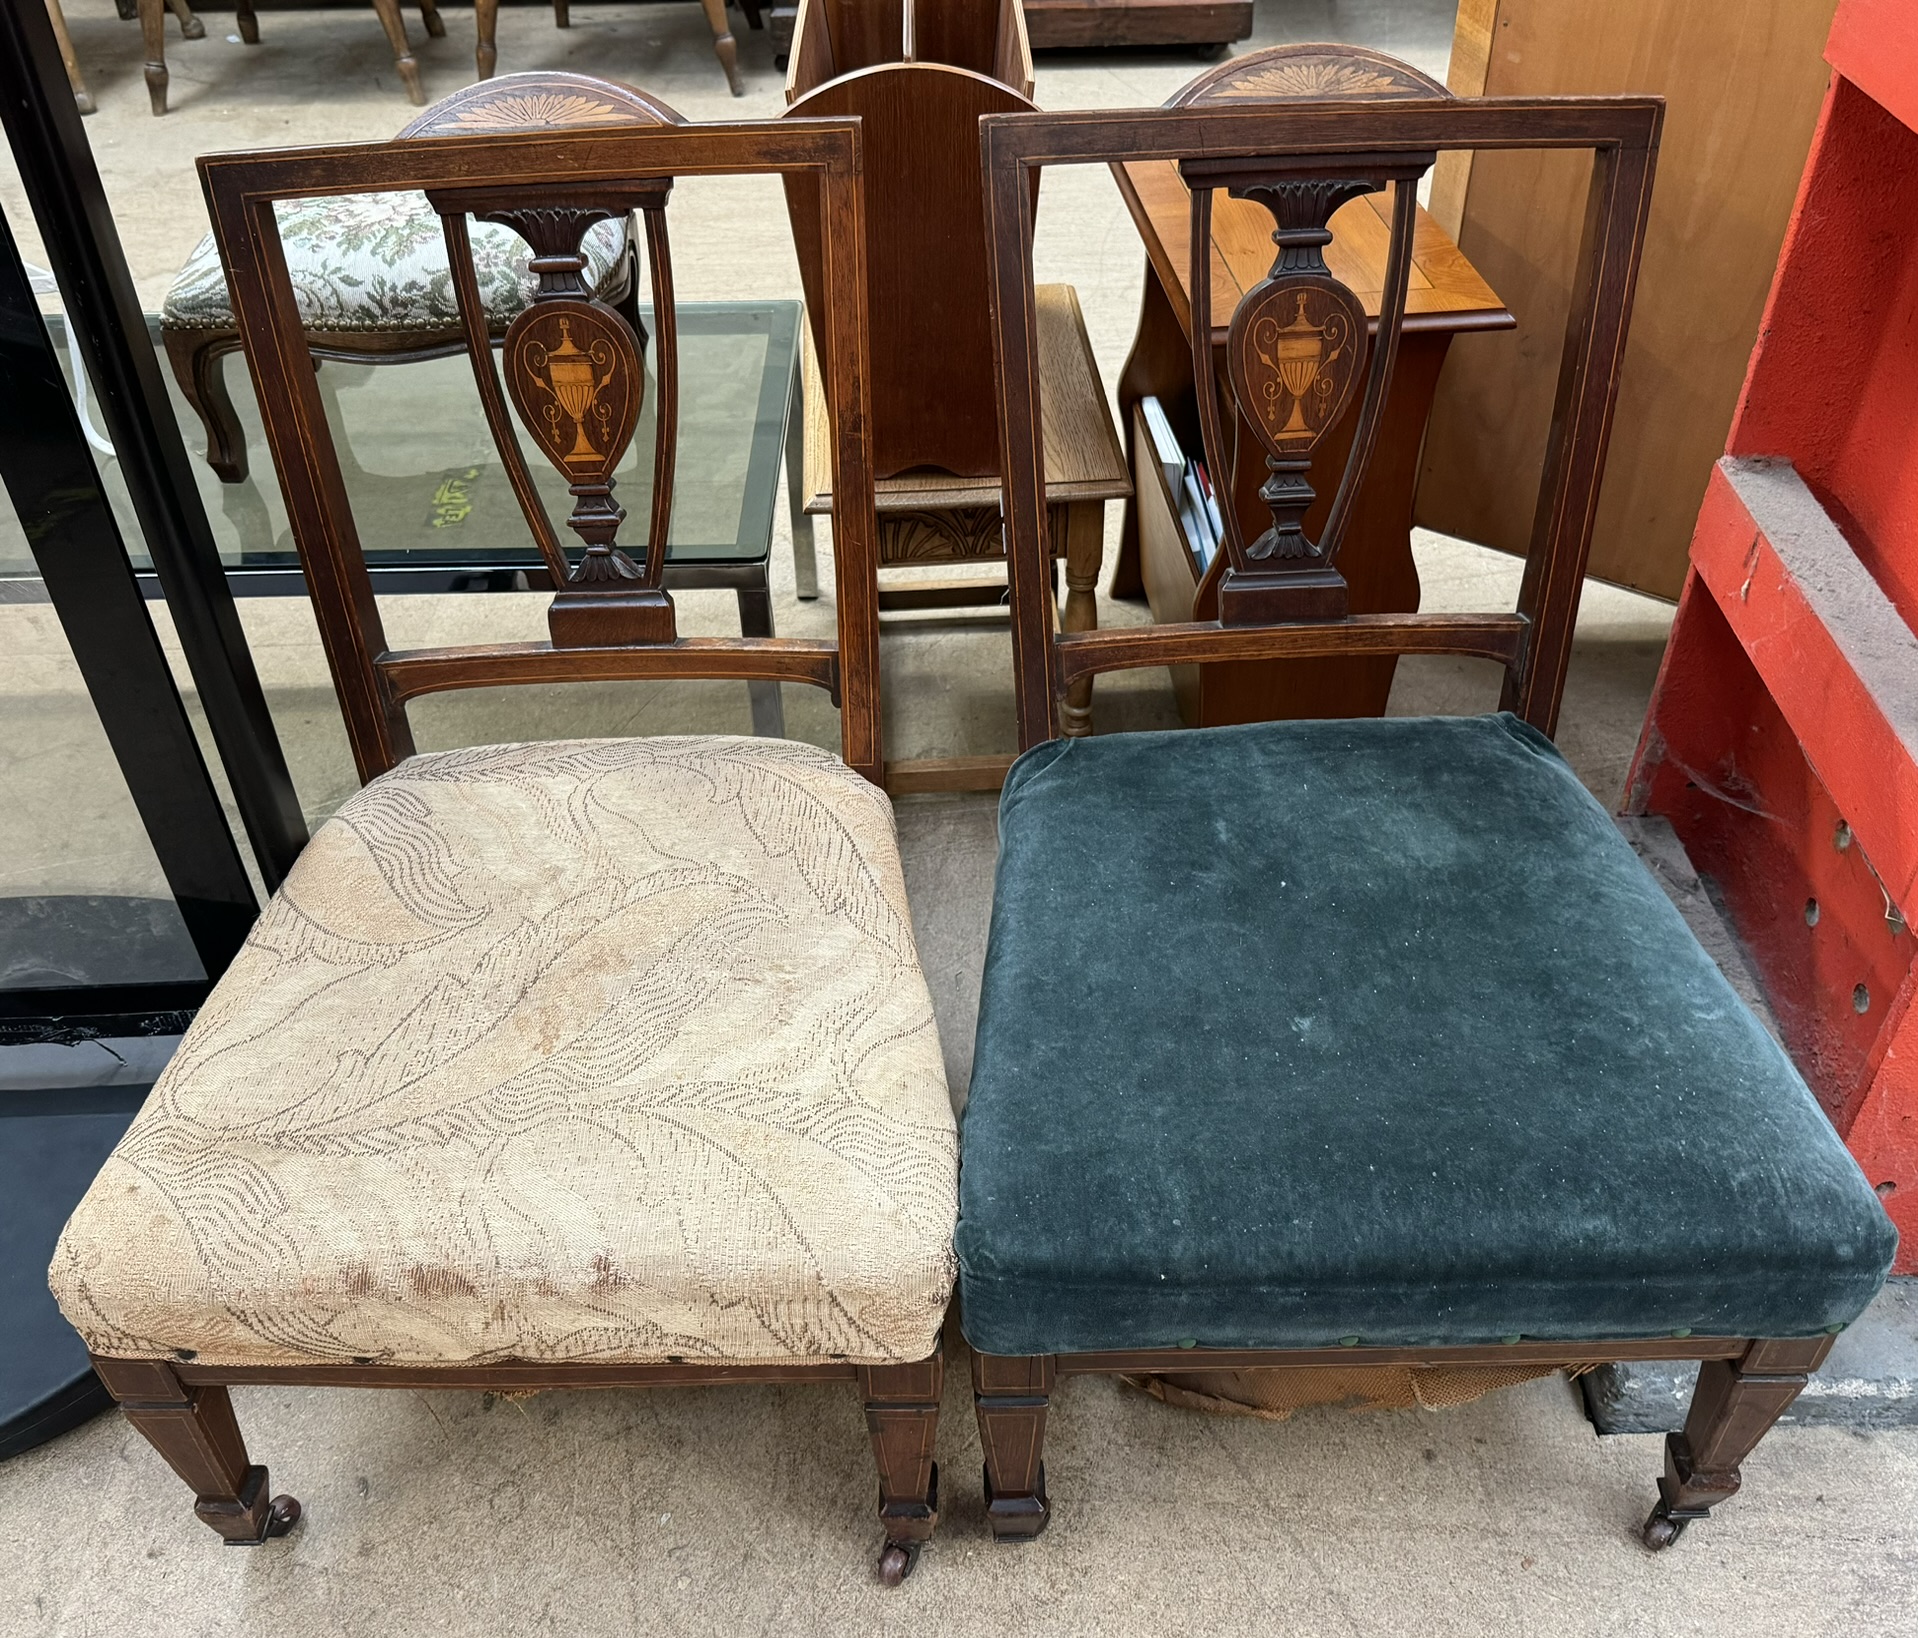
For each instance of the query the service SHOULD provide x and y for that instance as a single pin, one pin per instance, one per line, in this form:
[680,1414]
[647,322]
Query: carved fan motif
[531,109]
[1318,77]
[1291,73]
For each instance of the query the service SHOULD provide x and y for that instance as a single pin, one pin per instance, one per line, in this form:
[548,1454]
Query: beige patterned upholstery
[599,1050]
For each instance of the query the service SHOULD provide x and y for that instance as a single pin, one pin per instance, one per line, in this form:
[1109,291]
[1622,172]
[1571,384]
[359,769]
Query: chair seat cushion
[376,262]
[594,1050]
[1310,1033]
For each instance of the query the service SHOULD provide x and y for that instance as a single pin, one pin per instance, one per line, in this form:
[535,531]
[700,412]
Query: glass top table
[431,498]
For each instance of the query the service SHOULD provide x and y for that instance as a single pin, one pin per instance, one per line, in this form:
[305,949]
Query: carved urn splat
[575,371]
[1295,352]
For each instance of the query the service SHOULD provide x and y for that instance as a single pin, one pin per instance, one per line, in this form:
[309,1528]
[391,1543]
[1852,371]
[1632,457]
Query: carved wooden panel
[1295,73]
[577,380]
[1295,351]
[540,100]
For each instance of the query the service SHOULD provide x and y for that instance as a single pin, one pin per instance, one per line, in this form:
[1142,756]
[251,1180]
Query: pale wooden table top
[1084,459]
[1444,292]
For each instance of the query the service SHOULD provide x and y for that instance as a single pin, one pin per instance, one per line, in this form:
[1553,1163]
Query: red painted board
[1833,652]
[1833,381]
[1719,761]
[1874,44]
[1884,1137]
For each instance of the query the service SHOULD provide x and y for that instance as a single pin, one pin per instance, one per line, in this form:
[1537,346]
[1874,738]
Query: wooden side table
[1447,297]
[933,517]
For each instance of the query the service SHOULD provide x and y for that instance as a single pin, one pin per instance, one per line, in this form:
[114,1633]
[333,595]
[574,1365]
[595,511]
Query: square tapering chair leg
[1733,1407]
[1010,1397]
[195,1430]
[902,1415]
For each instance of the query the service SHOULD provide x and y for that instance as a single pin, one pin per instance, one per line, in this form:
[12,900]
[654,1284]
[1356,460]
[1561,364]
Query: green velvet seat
[1372,1032]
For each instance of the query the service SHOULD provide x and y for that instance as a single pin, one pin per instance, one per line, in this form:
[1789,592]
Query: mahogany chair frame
[562,181]
[1296,158]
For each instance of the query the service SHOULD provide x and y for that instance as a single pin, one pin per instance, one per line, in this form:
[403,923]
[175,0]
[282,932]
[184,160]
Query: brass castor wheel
[1661,1529]
[896,1562]
[282,1513]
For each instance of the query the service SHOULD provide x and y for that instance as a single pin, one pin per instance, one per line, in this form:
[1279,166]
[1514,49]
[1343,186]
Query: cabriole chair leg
[198,369]
[902,1415]
[194,1429]
[1733,1407]
[1010,1397]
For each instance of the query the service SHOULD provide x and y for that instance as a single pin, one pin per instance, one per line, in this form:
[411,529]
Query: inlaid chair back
[551,156]
[920,74]
[1303,135]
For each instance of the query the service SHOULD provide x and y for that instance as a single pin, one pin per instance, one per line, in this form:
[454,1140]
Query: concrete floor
[749,1510]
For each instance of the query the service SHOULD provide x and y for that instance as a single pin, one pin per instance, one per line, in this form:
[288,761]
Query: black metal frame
[57,1134]
[76,223]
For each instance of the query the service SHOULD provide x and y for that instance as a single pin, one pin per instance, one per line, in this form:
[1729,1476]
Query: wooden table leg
[403,58]
[1085,527]
[153,35]
[486,26]
[82,97]
[724,46]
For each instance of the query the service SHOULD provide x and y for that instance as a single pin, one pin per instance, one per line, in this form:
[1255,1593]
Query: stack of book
[1188,482]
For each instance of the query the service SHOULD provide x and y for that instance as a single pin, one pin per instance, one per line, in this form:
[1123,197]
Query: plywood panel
[1744,80]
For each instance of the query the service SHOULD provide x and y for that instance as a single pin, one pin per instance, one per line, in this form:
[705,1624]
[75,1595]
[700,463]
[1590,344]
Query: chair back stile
[551,160]
[1296,347]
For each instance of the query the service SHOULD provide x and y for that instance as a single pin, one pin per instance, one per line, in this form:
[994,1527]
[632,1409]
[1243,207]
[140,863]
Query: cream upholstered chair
[589,1063]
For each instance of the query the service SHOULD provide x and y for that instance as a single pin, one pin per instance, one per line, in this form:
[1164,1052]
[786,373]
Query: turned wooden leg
[1010,1396]
[153,36]
[403,58]
[1085,545]
[197,358]
[486,26]
[249,23]
[1733,1407]
[724,47]
[76,81]
[194,1429]
[191,28]
[430,16]
[902,1415]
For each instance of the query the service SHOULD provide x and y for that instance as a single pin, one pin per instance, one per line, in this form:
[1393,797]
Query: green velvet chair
[1364,1041]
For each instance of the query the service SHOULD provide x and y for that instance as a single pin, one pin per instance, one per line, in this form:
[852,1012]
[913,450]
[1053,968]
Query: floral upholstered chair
[371,277]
